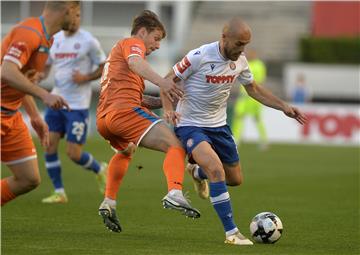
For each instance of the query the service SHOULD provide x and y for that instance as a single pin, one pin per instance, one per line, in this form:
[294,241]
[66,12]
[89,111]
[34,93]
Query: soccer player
[247,106]
[24,51]
[124,120]
[207,74]
[73,55]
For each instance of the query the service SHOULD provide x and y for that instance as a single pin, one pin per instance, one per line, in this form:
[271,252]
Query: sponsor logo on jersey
[232,66]
[183,65]
[16,49]
[212,66]
[197,53]
[220,79]
[65,55]
[135,49]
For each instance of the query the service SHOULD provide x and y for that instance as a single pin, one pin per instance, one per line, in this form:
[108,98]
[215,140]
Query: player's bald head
[236,27]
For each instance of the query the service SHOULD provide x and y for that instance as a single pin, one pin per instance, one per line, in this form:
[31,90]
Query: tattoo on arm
[151,102]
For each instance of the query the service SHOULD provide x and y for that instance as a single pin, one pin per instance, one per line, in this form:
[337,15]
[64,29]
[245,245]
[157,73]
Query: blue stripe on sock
[223,207]
[55,171]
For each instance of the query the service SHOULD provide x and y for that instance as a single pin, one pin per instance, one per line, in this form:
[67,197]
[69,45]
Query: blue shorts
[73,123]
[220,138]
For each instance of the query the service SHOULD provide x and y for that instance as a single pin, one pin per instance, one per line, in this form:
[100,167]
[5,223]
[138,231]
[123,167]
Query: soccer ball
[266,227]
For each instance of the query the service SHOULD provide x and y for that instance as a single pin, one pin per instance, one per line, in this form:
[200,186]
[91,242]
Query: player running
[125,122]
[24,52]
[207,74]
[73,55]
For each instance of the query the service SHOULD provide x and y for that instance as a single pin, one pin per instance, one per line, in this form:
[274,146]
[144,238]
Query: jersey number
[78,129]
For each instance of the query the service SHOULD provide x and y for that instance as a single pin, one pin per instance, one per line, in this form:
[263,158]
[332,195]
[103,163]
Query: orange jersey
[26,45]
[120,87]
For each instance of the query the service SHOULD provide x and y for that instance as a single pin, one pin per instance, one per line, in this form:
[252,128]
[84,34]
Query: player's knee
[32,182]
[235,182]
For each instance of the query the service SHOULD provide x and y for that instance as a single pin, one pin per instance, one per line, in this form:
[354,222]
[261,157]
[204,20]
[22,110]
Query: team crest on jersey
[190,143]
[77,46]
[232,66]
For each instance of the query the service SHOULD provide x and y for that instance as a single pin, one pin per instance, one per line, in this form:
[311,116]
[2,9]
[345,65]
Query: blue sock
[53,167]
[201,173]
[220,199]
[88,162]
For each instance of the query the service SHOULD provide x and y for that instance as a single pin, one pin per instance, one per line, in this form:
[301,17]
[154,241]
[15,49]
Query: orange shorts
[16,142]
[122,126]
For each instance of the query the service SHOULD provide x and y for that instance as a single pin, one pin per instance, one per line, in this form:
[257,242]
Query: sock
[6,194]
[53,167]
[118,166]
[199,173]
[174,167]
[220,199]
[88,162]
[110,202]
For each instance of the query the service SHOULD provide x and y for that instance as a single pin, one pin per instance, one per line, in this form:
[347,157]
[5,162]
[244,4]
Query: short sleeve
[245,77]
[188,65]
[22,46]
[133,47]
[97,54]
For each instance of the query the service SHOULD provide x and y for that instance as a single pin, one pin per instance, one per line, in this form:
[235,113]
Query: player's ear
[142,32]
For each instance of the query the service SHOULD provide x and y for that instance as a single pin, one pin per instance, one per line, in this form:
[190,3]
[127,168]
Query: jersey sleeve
[97,54]
[22,46]
[188,65]
[133,47]
[246,77]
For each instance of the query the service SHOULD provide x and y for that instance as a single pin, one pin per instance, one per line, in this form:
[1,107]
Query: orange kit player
[124,121]
[24,52]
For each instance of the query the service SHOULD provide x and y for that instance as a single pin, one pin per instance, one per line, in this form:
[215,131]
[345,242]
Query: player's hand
[34,76]
[170,89]
[55,102]
[41,129]
[79,78]
[172,117]
[295,113]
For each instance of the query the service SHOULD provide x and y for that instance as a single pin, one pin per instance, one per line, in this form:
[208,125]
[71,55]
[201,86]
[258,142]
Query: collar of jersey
[44,28]
[218,51]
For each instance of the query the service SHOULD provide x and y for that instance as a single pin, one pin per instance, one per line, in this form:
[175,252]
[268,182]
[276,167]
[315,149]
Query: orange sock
[174,167]
[6,194]
[117,169]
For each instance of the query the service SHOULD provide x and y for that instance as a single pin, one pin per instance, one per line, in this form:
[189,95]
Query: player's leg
[238,120]
[233,174]
[19,154]
[76,134]
[161,138]
[55,121]
[25,178]
[260,126]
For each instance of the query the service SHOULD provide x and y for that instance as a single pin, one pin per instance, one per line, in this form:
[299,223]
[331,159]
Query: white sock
[60,190]
[175,192]
[110,202]
[196,173]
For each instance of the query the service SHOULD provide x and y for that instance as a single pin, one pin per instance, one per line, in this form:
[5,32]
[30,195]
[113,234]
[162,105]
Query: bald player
[24,52]
[207,74]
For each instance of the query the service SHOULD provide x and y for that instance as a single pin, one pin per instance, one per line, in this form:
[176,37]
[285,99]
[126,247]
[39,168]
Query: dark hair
[59,5]
[149,20]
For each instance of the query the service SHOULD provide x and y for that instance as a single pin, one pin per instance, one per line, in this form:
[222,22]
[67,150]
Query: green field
[313,189]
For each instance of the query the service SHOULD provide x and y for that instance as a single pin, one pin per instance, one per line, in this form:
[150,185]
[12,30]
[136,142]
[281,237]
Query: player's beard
[231,55]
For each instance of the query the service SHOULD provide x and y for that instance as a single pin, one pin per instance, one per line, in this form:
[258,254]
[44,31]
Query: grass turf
[313,189]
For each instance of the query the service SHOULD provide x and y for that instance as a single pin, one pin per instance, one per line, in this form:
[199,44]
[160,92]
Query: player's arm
[80,78]
[40,127]
[151,102]
[141,67]
[169,114]
[265,97]
[11,73]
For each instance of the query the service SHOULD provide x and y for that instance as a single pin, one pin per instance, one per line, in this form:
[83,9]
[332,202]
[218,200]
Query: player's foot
[238,239]
[55,198]
[177,201]
[101,177]
[109,217]
[201,186]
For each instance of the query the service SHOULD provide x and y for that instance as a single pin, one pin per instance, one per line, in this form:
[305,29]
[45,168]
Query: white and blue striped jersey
[80,51]
[207,78]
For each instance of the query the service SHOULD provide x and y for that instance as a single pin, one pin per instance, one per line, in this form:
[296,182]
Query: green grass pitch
[313,189]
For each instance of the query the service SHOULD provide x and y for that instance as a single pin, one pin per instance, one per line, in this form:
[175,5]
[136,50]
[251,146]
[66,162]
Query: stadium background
[309,176]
